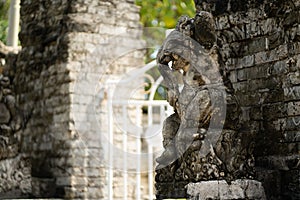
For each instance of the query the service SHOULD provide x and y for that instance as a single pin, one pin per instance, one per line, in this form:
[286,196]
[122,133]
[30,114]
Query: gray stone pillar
[69,49]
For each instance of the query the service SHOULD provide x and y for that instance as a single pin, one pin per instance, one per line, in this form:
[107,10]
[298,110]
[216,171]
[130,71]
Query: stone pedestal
[221,190]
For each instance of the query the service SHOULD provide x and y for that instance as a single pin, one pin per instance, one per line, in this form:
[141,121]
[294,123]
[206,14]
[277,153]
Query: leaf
[165,12]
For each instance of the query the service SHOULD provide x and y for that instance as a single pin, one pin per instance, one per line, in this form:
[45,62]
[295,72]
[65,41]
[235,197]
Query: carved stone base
[221,190]
[15,177]
[170,190]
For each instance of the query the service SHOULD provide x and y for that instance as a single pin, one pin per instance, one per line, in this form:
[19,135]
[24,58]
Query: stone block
[221,190]
[293,123]
[233,76]
[270,180]
[256,45]
[256,72]
[5,130]
[96,182]
[266,84]
[63,181]
[254,190]
[295,48]
[256,113]
[4,114]
[292,93]
[239,49]
[246,61]
[291,18]
[242,75]
[291,136]
[234,191]
[275,126]
[278,68]
[268,25]
[94,162]
[252,30]
[273,95]
[205,190]
[95,193]
[261,57]
[275,39]
[294,78]
[222,22]
[78,192]
[45,146]
[131,16]
[234,18]
[43,187]
[293,108]
[63,117]
[274,111]
[77,161]
[281,52]
[241,87]
[94,172]
[79,181]
[257,14]
[291,184]
[112,29]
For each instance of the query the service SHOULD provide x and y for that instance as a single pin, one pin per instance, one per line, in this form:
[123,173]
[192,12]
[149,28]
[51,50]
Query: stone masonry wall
[260,41]
[68,47]
[111,41]
[15,177]
[42,80]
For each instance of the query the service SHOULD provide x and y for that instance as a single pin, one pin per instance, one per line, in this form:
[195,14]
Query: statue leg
[170,128]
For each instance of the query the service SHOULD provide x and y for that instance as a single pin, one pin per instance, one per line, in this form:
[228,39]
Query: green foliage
[157,16]
[3,30]
[4,7]
[164,13]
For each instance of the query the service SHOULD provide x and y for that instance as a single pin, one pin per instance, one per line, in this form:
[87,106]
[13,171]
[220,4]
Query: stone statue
[202,139]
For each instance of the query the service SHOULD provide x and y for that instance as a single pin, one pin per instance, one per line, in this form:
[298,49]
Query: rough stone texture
[67,49]
[259,44]
[221,190]
[260,47]
[15,176]
[5,115]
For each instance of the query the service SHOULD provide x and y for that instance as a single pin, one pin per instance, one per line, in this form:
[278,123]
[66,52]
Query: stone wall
[15,167]
[260,43]
[67,50]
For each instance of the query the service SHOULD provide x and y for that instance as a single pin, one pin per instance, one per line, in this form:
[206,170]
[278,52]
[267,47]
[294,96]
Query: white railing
[126,121]
[14,22]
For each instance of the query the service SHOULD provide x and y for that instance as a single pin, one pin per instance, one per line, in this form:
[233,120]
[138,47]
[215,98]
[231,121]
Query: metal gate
[134,134]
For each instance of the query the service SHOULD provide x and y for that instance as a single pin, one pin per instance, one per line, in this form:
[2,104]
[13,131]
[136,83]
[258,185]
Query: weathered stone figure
[194,97]
[202,139]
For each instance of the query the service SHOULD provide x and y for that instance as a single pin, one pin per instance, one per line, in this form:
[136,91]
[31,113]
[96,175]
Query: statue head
[205,32]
